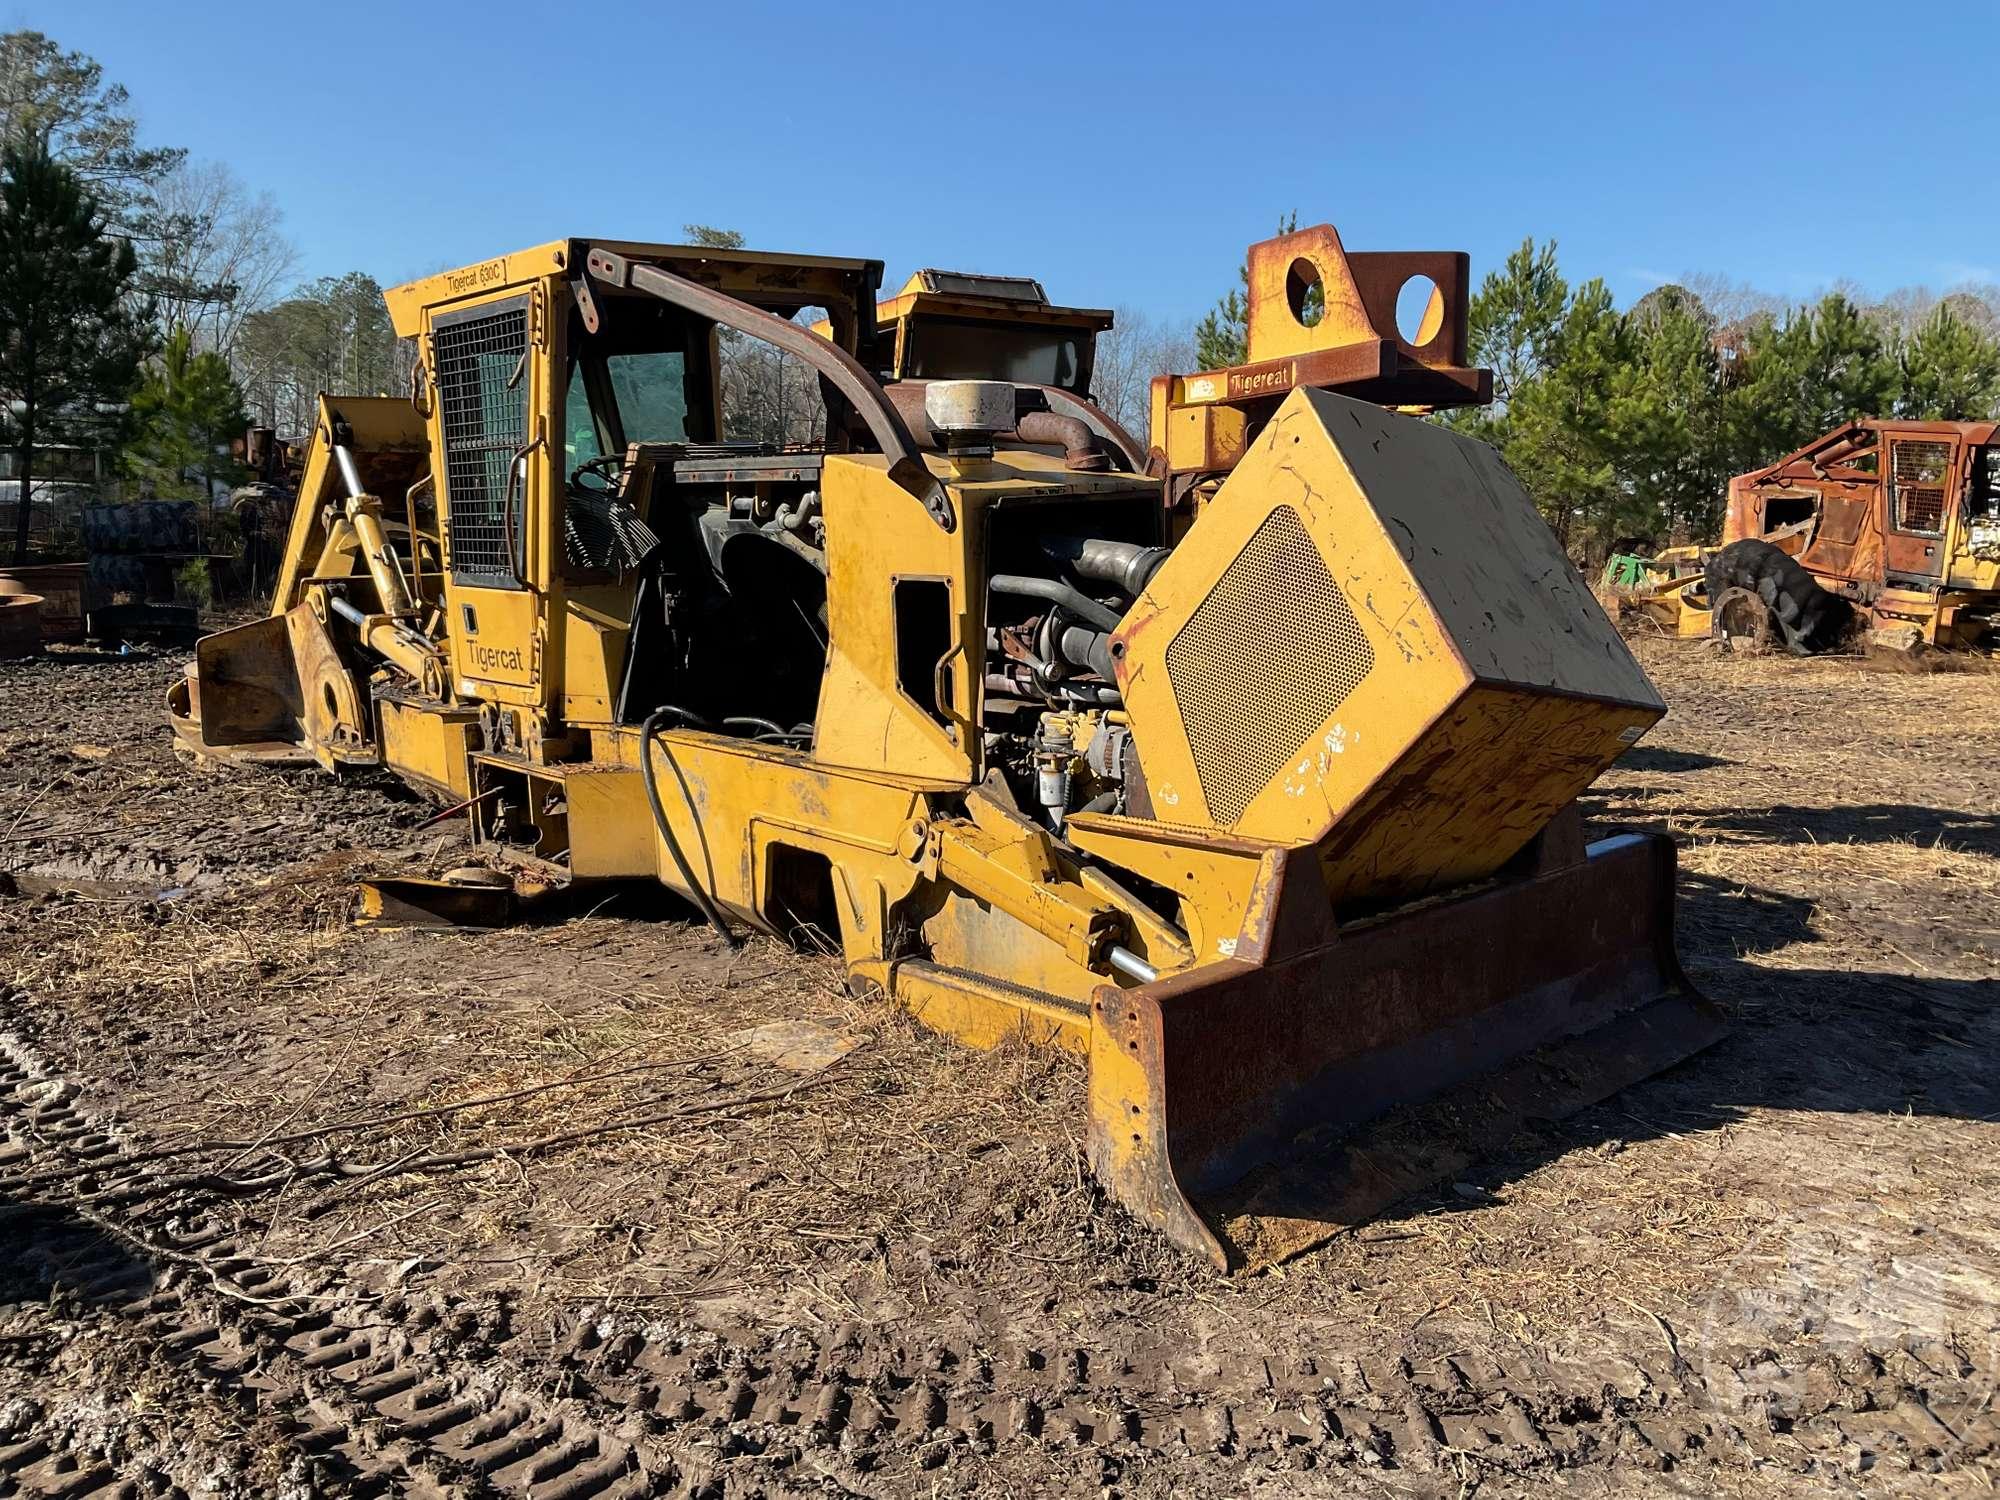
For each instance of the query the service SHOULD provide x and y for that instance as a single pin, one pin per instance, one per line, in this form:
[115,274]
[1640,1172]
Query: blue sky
[1123,154]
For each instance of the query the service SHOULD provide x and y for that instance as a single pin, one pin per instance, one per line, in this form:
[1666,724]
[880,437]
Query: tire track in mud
[365,1398]
[363,1411]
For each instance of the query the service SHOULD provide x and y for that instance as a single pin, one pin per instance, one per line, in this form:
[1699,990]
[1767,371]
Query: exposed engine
[1056,724]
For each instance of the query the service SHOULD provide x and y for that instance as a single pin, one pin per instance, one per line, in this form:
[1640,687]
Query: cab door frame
[490,440]
[1913,551]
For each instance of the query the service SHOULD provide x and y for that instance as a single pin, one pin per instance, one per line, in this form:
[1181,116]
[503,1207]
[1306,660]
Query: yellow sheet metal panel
[498,646]
[1204,437]
[1303,659]
[427,744]
[596,625]
[1483,781]
[1283,658]
[1514,607]
[876,536]
[985,1013]
[728,801]
[611,830]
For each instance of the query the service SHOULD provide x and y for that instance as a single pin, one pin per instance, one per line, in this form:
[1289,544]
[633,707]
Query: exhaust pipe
[1040,429]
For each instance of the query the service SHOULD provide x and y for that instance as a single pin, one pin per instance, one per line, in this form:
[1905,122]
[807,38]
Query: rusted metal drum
[60,586]
[20,624]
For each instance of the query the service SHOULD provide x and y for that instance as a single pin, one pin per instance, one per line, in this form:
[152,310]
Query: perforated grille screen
[483,385]
[1264,661]
[1920,470]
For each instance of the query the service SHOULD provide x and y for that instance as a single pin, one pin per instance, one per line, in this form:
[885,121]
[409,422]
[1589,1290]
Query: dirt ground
[594,1206]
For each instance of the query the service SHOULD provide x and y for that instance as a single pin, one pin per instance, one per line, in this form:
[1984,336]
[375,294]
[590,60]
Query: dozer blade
[1254,1110]
[241,699]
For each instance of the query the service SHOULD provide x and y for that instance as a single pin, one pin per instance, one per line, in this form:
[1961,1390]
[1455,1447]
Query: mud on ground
[597,1207]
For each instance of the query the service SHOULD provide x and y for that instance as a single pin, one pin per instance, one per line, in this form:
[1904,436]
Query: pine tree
[1512,320]
[185,414]
[1562,435]
[1807,374]
[71,339]
[1951,371]
[1673,453]
[87,124]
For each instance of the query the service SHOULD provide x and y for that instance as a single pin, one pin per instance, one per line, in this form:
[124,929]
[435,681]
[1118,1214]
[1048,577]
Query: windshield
[652,396]
[642,398]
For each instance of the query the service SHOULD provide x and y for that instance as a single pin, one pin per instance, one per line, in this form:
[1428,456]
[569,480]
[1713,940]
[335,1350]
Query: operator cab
[679,470]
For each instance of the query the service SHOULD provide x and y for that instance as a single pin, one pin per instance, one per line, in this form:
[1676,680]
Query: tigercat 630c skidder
[1244,766]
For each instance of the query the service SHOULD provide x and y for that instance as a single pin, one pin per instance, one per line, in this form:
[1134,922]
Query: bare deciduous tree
[217,255]
[1129,354]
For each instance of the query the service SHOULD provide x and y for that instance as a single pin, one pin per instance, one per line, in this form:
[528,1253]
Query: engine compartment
[726,546]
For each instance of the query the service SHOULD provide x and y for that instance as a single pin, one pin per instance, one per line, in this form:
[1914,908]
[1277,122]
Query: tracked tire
[1762,596]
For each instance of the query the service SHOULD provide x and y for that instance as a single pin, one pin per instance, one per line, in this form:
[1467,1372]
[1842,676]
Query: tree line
[147,311]
[1629,425]
[145,314]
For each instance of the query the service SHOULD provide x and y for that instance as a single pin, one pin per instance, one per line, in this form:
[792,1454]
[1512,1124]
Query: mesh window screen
[1919,470]
[482,383]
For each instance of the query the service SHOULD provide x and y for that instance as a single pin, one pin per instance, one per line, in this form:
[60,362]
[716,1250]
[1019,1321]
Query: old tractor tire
[1795,608]
[1742,621]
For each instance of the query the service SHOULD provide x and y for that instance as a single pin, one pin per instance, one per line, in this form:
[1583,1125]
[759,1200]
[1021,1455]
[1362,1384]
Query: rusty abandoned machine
[1244,766]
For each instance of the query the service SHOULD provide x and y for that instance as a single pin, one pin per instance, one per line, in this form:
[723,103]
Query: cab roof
[777,282]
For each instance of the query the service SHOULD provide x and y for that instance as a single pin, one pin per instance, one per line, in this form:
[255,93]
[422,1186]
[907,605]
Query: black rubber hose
[1056,591]
[647,731]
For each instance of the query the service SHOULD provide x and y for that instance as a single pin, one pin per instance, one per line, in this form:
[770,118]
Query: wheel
[1794,608]
[1742,621]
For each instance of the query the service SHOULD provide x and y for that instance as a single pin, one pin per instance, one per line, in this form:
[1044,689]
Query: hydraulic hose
[647,731]
[1056,591]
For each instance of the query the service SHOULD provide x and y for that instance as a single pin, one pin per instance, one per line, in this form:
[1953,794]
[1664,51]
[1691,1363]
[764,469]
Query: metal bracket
[586,304]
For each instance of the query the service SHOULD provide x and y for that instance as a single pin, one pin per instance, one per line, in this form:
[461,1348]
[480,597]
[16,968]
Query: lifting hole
[1419,311]
[1305,294]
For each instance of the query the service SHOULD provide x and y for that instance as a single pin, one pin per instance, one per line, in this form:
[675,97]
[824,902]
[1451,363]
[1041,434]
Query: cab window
[651,390]
[580,439]
[1985,503]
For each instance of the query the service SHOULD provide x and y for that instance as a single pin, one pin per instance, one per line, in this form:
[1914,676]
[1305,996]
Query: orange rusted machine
[1902,519]
[1893,526]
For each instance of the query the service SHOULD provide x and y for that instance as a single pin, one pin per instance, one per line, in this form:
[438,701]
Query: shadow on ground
[49,1255]
[1788,823]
